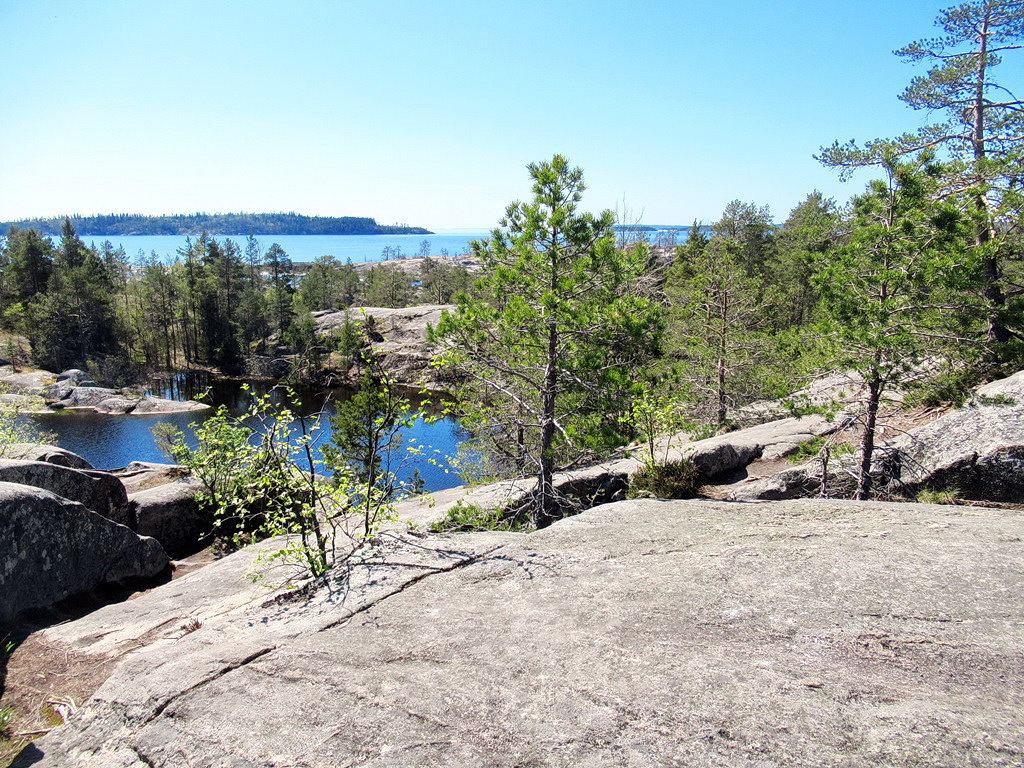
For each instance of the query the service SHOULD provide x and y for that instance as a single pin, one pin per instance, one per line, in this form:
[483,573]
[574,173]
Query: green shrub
[938,496]
[463,518]
[671,480]
[949,387]
[259,480]
[812,449]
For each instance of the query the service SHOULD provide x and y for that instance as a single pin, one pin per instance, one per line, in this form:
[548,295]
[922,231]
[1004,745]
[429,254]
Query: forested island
[127,224]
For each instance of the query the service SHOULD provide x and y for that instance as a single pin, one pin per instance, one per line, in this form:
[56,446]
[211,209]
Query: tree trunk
[867,441]
[992,291]
[545,510]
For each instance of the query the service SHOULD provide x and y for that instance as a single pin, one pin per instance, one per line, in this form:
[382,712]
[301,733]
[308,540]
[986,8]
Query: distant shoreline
[222,225]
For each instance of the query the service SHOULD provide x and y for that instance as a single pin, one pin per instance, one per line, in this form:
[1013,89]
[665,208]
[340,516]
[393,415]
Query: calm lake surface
[111,441]
[305,248]
[358,248]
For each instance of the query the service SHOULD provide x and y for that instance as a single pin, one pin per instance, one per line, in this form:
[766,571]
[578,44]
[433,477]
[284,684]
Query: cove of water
[307,248]
[112,441]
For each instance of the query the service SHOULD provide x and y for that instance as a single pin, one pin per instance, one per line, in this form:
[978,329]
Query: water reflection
[112,441]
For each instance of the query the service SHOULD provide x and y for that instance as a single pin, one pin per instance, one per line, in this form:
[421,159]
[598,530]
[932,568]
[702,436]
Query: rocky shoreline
[798,632]
[42,391]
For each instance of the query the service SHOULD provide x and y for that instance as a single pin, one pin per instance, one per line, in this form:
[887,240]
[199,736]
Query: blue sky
[427,113]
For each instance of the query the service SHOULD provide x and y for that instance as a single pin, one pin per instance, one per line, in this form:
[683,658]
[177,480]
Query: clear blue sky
[428,112]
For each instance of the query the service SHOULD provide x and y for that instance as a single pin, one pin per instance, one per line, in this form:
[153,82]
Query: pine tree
[551,334]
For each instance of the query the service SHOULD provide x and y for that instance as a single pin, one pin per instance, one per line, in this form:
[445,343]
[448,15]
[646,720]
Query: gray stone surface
[51,454]
[636,634]
[143,475]
[719,455]
[99,491]
[399,339]
[162,405]
[171,515]
[73,389]
[976,450]
[790,483]
[52,548]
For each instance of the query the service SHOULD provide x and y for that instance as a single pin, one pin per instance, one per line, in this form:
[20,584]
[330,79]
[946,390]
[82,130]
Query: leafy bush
[812,449]
[672,480]
[464,517]
[259,477]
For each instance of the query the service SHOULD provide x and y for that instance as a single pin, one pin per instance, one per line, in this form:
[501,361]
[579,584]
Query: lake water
[358,248]
[112,441]
[305,248]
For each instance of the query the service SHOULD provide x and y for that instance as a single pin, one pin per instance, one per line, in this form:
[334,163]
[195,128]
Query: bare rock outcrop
[976,450]
[99,491]
[51,454]
[75,389]
[171,514]
[162,503]
[52,548]
[808,633]
[397,336]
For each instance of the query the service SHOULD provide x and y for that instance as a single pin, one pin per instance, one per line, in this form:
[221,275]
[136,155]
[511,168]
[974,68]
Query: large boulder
[52,548]
[99,491]
[171,515]
[810,633]
[162,504]
[51,454]
[722,454]
[978,450]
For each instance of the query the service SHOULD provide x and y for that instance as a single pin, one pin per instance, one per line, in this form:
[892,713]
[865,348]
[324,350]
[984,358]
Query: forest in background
[125,224]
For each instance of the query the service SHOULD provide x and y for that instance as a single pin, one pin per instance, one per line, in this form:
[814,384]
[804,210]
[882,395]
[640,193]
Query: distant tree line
[125,224]
[217,303]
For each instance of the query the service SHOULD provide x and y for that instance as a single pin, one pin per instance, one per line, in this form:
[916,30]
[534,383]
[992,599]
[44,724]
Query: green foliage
[718,324]
[677,479]
[388,286]
[656,415]
[550,335]
[367,448]
[951,385]
[995,400]
[980,128]
[752,232]
[6,715]
[888,292]
[328,284]
[809,233]
[259,478]
[350,341]
[16,429]
[812,449]
[440,282]
[938,496]
[889,283]
[465,518]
